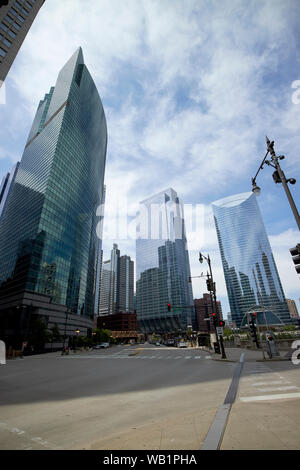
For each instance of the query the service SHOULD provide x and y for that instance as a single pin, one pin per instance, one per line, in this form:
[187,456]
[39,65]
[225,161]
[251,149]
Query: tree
[56,336]
[38,333]
[101,336]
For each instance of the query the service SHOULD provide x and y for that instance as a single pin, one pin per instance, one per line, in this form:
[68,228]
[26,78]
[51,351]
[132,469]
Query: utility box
[217,348]
[271,345]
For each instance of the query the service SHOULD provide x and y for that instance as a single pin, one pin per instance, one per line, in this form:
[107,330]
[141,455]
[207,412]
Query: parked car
[182,344]
[102,346]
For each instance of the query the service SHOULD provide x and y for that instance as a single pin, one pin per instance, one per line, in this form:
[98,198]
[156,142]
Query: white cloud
[189,89]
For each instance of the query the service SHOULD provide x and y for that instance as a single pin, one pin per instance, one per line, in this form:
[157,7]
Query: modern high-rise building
[204,308]
[250,271]
[100,213]
[5,187]
[48,237]
[116,292]
[16,18]
[162,266]
[126,284]
[109,295]
[292,308]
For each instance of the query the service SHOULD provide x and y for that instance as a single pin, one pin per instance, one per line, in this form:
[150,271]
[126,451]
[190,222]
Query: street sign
[220,330]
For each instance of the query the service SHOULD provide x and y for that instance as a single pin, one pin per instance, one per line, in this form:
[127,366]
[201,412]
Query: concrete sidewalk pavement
[250,355]
[265,414]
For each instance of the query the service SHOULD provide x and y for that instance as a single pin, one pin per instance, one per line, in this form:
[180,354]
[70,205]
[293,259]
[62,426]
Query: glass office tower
[16,18]
[162,266]
[5,187]
[250,271]
[48,239]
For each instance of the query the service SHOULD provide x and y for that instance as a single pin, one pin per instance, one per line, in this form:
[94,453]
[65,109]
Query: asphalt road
[146,397]
[124,397]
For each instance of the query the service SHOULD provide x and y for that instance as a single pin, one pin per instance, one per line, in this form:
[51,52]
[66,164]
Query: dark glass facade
[250,271]
[48,240]
[162,266]
[16,18]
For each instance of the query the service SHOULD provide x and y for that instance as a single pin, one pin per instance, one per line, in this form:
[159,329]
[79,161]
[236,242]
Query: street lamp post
[213,299]
[67,313]
[278,176]
[77,331]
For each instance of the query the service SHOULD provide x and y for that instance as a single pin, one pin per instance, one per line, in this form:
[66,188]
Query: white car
[102,345]
[182,344]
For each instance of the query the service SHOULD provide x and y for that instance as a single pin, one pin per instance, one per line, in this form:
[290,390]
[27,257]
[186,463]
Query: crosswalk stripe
[138,356]
[270,397]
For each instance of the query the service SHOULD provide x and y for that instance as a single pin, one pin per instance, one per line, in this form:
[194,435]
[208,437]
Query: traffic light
[210,285]
[169,307]
[215,320]
[295,252]
[253,333]
[221,323]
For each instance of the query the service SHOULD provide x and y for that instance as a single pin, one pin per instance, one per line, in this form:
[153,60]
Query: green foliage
[38,333]
[55,334]
[101,336]
[83,342]
[289,328]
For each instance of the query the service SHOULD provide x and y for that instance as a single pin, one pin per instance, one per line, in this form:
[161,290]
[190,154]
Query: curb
[223,360]
[273,360]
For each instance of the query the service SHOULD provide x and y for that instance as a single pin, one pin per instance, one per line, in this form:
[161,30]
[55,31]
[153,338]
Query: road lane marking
[27,437]
[270,397]
[275,382]
[279,389]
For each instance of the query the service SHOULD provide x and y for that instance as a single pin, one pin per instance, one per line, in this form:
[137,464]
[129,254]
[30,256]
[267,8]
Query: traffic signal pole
[212,291]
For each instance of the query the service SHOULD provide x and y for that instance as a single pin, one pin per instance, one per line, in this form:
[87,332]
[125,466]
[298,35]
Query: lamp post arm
[260,167]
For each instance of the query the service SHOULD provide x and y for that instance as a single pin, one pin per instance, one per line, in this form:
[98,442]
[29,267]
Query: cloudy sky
[190,89]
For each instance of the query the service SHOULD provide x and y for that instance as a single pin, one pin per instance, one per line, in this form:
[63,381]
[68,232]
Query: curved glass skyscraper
[162,266]
[250,271]
[48,240]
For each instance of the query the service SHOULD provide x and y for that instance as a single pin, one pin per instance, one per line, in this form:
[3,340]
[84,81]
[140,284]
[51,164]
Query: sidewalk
[250,355]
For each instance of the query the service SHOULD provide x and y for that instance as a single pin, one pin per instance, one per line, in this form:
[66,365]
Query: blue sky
[190,89]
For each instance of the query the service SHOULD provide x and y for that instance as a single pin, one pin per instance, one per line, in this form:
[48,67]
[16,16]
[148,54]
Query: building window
[6,42]
[12,34]
[2,52]
[3,26]
[9,19]
[13,12]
